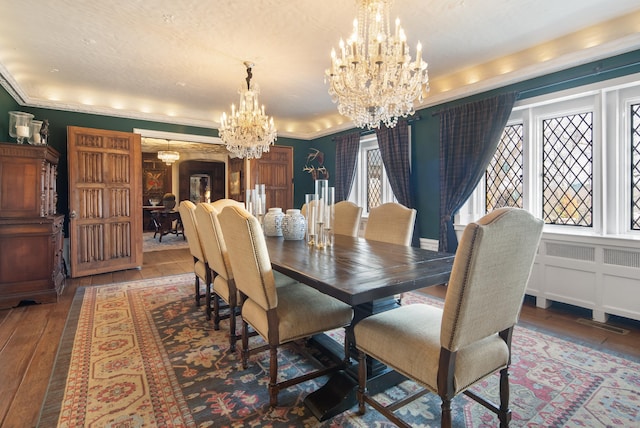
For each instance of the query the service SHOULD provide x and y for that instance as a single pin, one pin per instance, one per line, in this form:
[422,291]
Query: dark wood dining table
[367,275]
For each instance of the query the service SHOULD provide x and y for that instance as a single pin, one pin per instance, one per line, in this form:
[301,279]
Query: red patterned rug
[141,354]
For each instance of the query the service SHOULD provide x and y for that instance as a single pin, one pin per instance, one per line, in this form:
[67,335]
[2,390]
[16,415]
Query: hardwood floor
[29,335]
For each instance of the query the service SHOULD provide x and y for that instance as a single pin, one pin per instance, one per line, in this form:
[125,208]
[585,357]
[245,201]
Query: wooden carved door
[105,200]
[275,170]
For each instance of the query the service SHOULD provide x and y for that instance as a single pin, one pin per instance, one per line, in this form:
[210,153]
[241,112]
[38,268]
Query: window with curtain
[572,158]
[371,186]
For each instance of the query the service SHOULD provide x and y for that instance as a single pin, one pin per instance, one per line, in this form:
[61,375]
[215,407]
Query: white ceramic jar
[294,225]
[273,222]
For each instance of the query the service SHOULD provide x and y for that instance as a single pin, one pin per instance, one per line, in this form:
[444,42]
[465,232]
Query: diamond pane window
[374,178]
[635,167]
[504,174]
[568,170]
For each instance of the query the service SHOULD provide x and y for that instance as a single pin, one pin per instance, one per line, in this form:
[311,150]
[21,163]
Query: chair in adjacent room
[278,314]
[392,223]
[449,350]
[215,250]
[347,218]
[200,267]
[167,221]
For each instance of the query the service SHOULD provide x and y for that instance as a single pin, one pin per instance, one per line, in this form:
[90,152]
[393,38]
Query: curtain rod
[410,120]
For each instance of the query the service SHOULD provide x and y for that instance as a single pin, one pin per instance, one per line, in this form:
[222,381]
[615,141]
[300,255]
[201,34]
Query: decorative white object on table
[273,222]
[294,225]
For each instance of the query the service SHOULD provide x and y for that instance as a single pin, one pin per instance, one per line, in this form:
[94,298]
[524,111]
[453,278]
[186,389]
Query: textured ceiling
[181,61]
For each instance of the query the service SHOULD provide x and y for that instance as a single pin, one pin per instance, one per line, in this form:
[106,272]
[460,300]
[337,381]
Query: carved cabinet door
[105,200]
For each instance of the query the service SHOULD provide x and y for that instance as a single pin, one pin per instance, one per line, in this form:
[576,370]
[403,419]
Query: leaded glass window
[635,167]
[567,169]
[504,174]
[374,178]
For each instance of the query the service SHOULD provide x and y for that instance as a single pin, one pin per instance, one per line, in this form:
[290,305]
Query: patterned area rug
[169,242]
[141,354]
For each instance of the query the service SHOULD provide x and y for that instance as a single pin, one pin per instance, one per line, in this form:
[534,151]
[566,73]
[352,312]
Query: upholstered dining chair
[223,284]
[392,223]
[448,350]
[200,266]
[278,314]
[215,252]
[347,218]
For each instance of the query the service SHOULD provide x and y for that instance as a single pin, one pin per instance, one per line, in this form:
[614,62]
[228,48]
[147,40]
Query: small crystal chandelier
[373,79]
[247,132]
[168,156]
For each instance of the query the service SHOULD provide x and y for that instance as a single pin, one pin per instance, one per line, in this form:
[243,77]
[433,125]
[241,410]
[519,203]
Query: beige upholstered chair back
[211,238]
[248,255]
[221,203]
[187,211]
[347,218]
[490,272]
[217,246]
[392,223]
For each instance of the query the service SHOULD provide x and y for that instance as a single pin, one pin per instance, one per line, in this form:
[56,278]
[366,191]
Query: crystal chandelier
[247,132]
[373,79]
[168,156]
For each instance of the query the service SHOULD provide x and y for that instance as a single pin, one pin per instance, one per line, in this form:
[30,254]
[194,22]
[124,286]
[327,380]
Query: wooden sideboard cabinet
[31,231]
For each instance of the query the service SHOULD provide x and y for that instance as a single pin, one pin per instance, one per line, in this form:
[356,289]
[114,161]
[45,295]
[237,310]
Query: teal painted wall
[7,104]
[425,134]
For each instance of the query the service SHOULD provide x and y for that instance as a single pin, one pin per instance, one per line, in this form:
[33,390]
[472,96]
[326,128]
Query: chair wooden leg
[504,413]
[207,302]
[216,311]
[445,421]
[232,326]
[197,290]
[362,382]
[273,376]
[245,344]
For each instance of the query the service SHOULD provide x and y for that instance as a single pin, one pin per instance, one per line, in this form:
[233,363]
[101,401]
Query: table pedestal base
[339,393]
[334,397]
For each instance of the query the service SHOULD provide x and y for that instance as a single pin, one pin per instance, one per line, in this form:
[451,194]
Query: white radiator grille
[622,258]
[571,251]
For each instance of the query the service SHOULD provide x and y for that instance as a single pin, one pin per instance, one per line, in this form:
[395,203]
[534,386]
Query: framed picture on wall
[154,180]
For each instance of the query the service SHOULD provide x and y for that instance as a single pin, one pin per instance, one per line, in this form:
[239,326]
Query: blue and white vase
[294,225]
[273,222]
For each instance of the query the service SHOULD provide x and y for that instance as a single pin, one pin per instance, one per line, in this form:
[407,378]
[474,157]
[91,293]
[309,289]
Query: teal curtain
[394,150]
[469,136]
[347,147]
